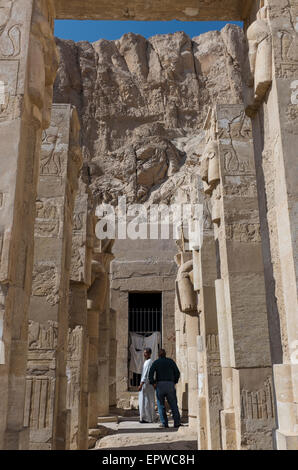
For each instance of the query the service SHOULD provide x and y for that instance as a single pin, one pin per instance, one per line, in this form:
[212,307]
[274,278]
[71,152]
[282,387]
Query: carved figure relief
[207,222]
[289,46]
[209,170]
[237,158]
[75,338]
[50,162]
[10,35]
[42,336]
[215,397]
[78,258]
[185,290]
[216,207]
[260,53]
[78,220]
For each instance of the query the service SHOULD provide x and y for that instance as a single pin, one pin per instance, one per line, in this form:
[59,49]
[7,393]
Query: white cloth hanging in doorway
[138,343]
[153,342]
[136,353]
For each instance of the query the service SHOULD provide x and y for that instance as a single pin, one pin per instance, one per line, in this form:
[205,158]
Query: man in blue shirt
[164,375]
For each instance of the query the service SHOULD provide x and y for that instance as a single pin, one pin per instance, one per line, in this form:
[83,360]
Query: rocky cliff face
[142,105]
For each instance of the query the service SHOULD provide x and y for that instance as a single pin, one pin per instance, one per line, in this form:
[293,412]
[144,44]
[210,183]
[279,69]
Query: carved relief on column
[275,130]
[80,279]
[185,290]
[98,330]
[209,168]
[41,382]
[23,24]
[240,288]
[186,299]
[282,20]
[59,169]
[14,29]
[43,62]
[209,365]
[260,54]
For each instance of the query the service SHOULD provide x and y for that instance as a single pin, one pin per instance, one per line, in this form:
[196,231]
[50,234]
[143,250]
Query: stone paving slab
[130,434]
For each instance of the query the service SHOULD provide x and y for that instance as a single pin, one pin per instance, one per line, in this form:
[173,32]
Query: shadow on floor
[177,445]
[146,430]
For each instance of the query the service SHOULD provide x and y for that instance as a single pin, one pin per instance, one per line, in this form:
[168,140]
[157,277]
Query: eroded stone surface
[142,104]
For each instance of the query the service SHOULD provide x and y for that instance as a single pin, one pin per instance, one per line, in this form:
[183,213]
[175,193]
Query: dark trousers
[166,390]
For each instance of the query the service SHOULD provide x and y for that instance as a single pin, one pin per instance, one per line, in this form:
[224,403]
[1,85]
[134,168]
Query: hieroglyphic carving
[244,232]
[10,48]
[74,358]
[287,52]
[47,222]
[45,282]
[8,77]
[213,356]
[43,63]
[258,404]
[236,187]
[81,254]
[215,397]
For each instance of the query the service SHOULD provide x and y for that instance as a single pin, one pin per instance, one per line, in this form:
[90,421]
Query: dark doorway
[145,320]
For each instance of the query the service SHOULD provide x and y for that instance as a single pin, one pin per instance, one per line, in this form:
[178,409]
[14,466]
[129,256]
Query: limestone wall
[148,267]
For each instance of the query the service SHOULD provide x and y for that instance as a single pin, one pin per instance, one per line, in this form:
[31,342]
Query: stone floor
[129,434]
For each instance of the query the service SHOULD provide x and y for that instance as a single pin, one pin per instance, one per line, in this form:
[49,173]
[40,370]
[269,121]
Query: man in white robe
[146,392]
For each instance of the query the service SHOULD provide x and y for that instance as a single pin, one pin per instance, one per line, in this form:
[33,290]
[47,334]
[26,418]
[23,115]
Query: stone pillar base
[228,427]
[193,423]
[17,440]
[286,441]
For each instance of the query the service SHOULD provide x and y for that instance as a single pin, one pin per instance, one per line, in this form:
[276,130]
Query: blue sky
[93,30]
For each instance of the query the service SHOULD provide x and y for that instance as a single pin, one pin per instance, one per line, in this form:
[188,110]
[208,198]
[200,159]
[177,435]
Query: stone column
[45,405]
[181,359]
[229,176]
[113,358]
[28,64]
[98,332]
[209,369]
[187,302]
[104,339]
[273,106]
[78,341]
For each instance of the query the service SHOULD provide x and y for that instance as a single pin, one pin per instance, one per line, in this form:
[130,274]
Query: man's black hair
[162,352]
